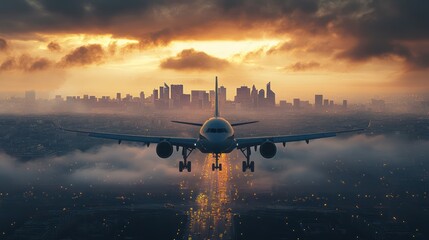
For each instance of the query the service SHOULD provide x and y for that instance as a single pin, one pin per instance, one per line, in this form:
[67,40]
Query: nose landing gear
[247,164]
[217,165]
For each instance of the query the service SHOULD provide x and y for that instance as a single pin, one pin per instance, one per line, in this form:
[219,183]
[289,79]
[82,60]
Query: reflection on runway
[210,218]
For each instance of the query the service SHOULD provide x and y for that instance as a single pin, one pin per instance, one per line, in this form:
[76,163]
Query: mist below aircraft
[216,137]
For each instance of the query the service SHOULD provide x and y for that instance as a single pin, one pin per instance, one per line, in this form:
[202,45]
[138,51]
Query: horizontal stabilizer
[243,123]
[189,123]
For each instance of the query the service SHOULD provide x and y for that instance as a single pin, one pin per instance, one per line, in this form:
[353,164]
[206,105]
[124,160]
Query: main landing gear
[217,165]
[247,164]
[185,164]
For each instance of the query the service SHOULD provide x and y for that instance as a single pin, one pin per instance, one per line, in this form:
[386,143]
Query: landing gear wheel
[220,166]
[185,164]
[252,166]
[189,166]
[181,166]
[213,167]
[247,164]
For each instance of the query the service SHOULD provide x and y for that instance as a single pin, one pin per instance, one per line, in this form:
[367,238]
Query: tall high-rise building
[155,95]
[161,92]
[222,95]
[212,98]
[166,93]
[243,96]
[326,102]
[199,98]
[271,96]
[254,96]
[296,103]
[142,96]
[176,94]
[344,104]
[318,101]
[176,91]
[261,98]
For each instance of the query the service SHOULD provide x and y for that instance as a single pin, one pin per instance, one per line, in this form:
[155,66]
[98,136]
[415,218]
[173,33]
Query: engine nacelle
[164,149]
[268,149]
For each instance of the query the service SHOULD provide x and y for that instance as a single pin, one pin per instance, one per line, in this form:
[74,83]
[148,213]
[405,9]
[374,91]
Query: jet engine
[268,149]
[164,149]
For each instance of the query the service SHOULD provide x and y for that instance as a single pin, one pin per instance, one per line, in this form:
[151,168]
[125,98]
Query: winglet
[216,100]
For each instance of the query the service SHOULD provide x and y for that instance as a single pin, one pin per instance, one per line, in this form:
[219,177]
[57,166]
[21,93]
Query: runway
[211,217]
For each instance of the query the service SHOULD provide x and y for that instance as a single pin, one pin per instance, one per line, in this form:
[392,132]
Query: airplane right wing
[255,141]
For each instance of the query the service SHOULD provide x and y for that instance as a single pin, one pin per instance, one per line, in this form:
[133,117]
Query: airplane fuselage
[216,136]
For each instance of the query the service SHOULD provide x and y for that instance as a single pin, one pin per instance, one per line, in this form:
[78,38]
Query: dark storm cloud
[53,46]
[189,59]
[84,55]
[40,64]
[81,56]
[303,66]
[389,28]
[3,44]
[25,63]
[368,28]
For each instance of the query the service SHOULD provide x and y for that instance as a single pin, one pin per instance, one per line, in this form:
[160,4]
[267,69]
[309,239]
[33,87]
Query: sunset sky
[356,49]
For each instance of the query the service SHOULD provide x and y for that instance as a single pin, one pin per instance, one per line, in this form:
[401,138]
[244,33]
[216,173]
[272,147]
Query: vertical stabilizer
[216,100]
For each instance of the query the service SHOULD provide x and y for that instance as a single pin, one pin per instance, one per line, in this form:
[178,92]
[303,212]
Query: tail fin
[216,100]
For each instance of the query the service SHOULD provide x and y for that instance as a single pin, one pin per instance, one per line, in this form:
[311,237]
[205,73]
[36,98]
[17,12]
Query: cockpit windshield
[216,130]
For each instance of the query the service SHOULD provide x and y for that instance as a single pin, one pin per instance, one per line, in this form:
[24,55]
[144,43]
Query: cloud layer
[189,59]
[369,28]
[323,164]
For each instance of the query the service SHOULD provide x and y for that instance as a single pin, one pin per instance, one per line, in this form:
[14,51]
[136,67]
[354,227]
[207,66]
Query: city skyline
[247,97]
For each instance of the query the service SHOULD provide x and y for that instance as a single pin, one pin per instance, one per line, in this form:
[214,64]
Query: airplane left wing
[175,141]
[255,141]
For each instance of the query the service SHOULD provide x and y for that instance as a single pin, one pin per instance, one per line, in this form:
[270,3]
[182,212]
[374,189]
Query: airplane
[216,136]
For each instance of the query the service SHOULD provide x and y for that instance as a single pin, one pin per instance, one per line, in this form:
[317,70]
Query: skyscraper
[176,94]
[199,98]
[261,98]
[212,98]
[243,96]
[142,96]
[271,96]
[296,103]
[326,102]
[254,96]
[161,92]
[155,95]
[166,94]
[222,95]
[318,101]
[118,96]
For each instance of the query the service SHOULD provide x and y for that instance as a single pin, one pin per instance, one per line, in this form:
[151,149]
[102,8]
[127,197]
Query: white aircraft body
[216,136]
